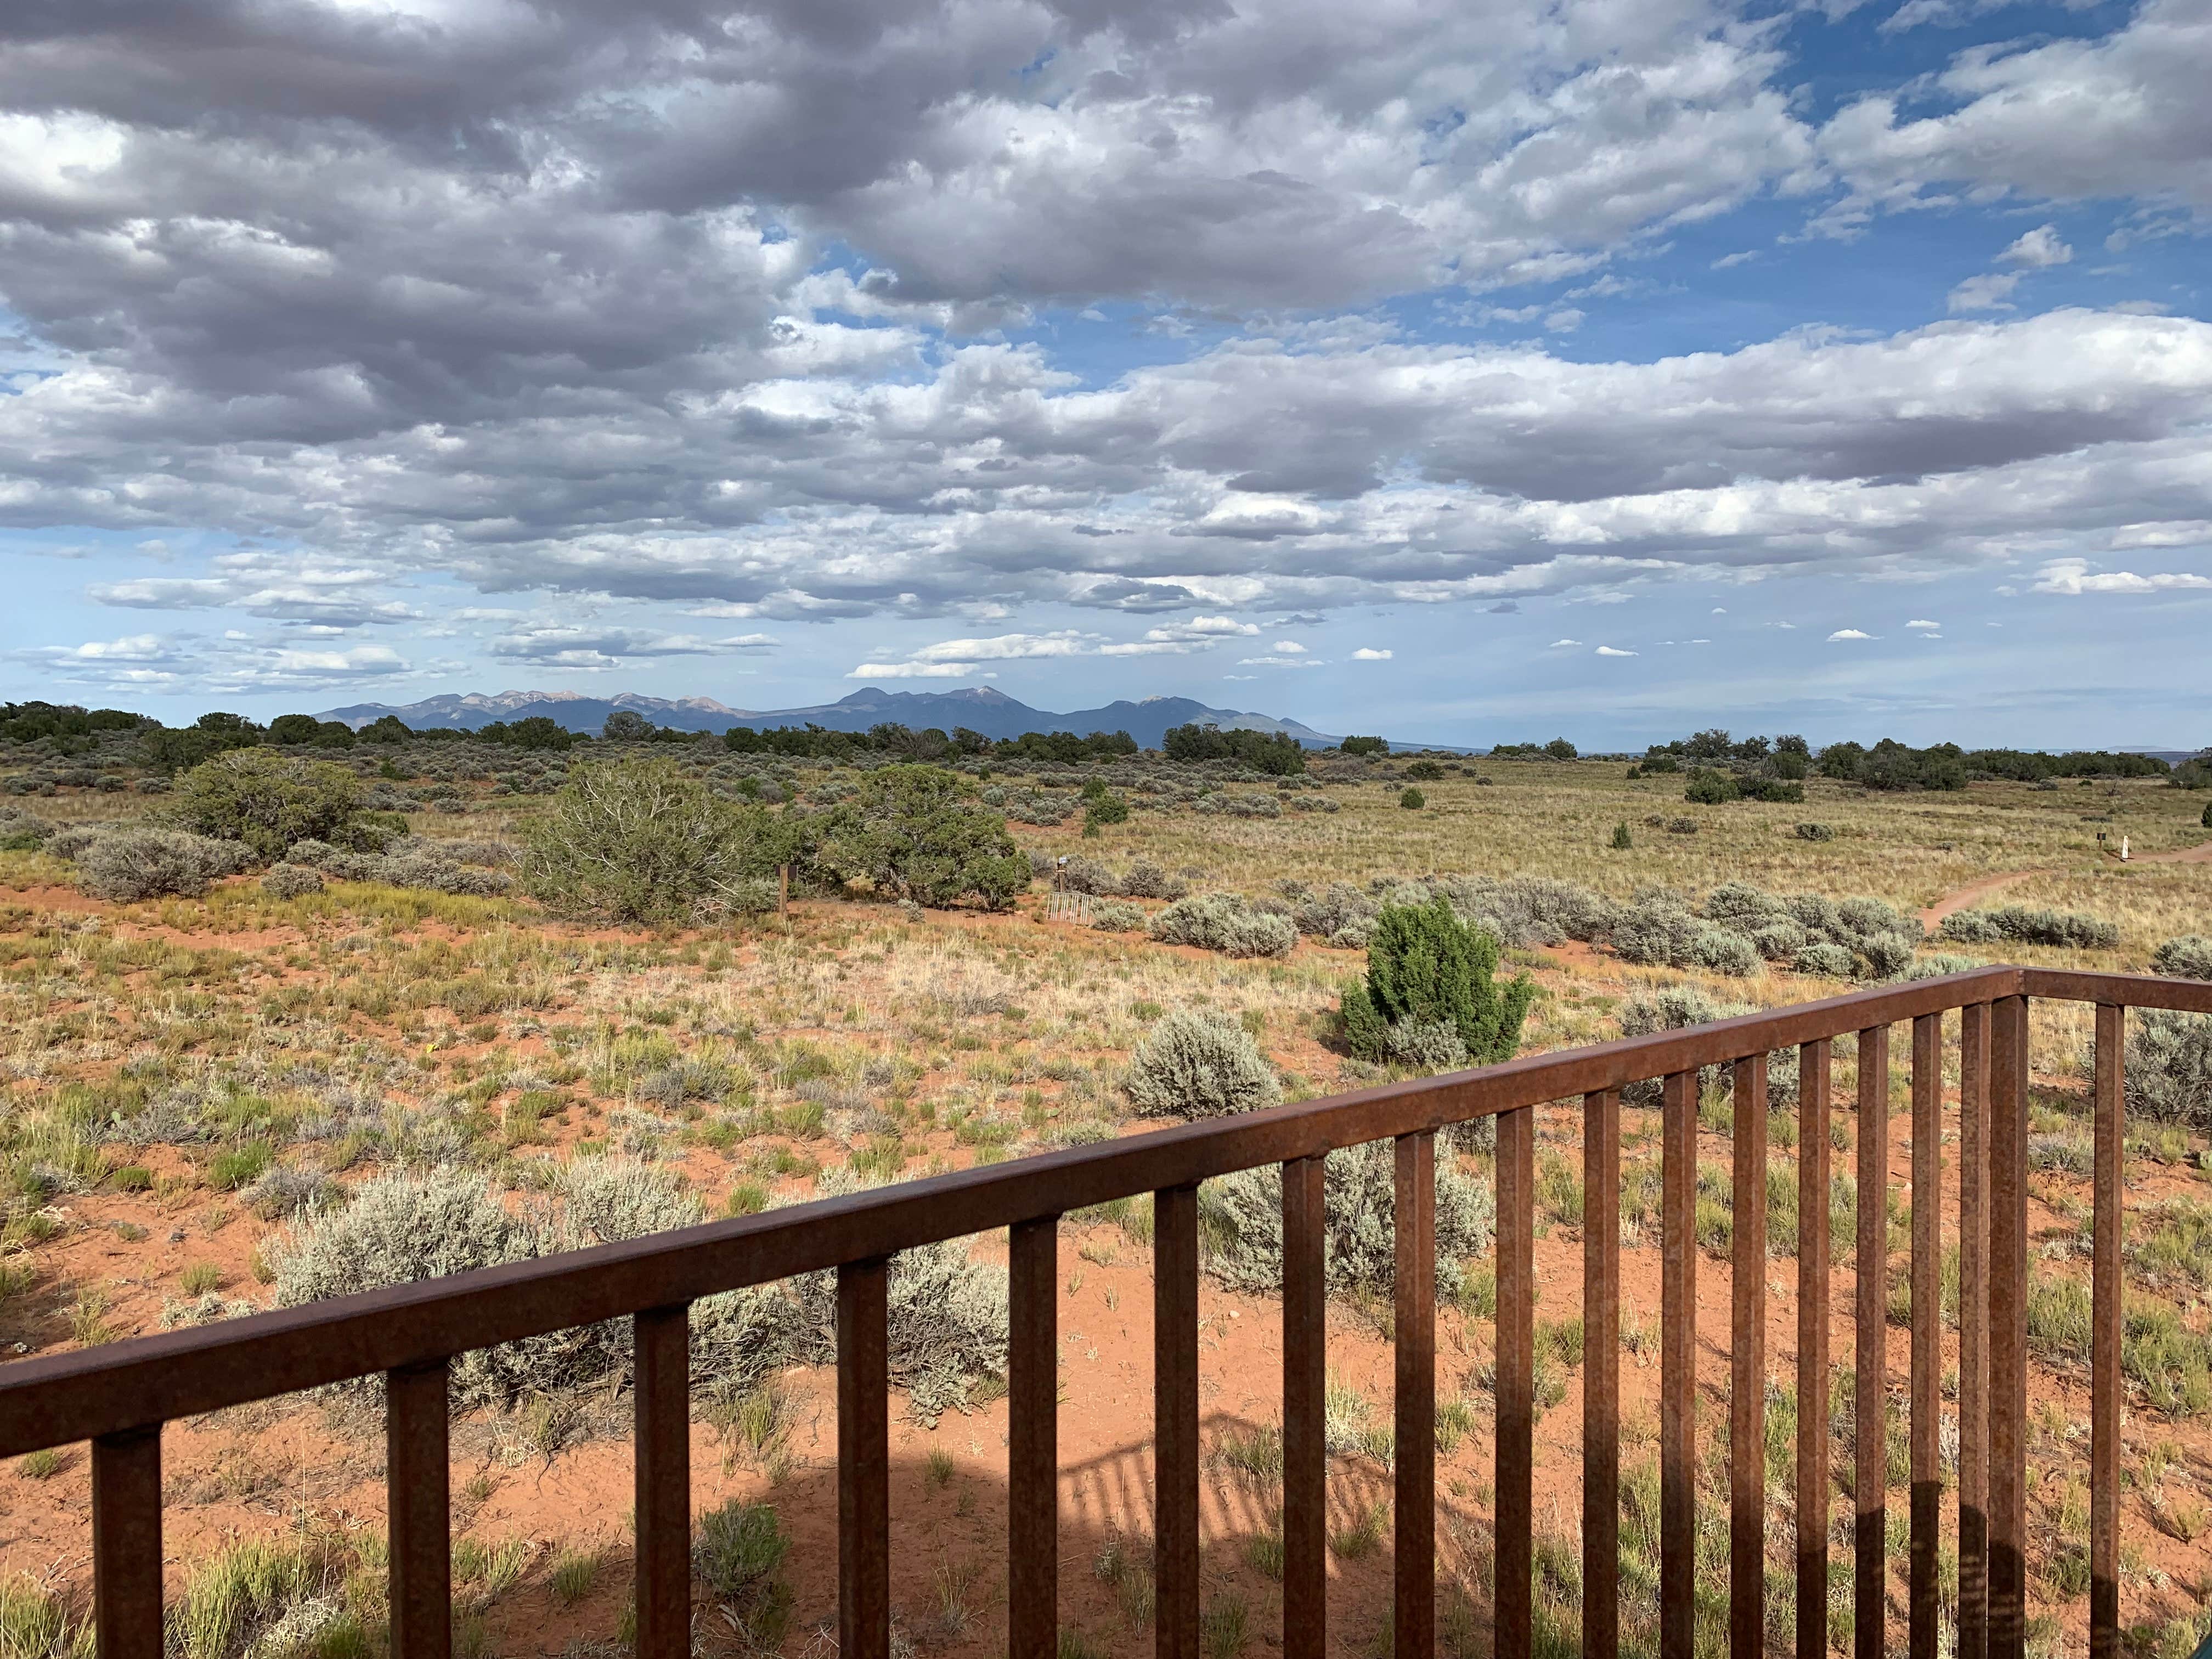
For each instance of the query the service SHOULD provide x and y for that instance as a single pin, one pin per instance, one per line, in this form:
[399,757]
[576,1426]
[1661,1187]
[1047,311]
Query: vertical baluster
[1813,1085]
[419,1507]
[1973,1331]
[1871,1276]
[1678,1362]
[662,1412]
[1927,1322]
[1305,1384]
[1175,1419]
[1413,1569]
[1033,1441]
[1601,1375]
[864,1504]
[2007,1352]
[126,1543]
[1748,1368]
[1517,1386]
[2105,1356]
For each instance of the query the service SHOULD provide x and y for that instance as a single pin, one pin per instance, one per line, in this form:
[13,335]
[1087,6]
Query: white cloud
[1369,653]
[916,671]
[2038,250]
[2074,577]
[590,648]
[1931,627]
[2119,116]
[1848,634]
[1168,639]
[1990,291]
[1288,647]
[1608,651]
[1280,662]
[1556,644]
[238,662]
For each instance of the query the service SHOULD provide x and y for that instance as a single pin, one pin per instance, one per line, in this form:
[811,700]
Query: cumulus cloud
[1556,644]
[589,648]
[1848,634]
[155,663]
[917,671]
[1930,627]
[2123,116]
[1612,651]
[945,657]
[2038,250]
[2074,577]
[718,309]
[1990,291]
[1369,653]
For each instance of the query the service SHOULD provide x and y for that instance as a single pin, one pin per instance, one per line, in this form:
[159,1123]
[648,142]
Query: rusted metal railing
[118,1396]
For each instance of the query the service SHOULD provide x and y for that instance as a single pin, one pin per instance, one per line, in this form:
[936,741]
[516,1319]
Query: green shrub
[1622,840]
[1411,798]
[2207,819]
[637,841]
[1200,1063]
[1227,922]
[1426,966]
[1816,832]
[1718,950]
[401,1228]
[1826,961]
[2167,1071]
[128,865]
[1116,916]
[1709,788]
[918,833]
[2189,956]
[2018,923]
[1241,1221]
[266,799]
[1427,1046]
[739,1556]
[21,831]
[1105,810]
[291,881]
[945,1323]
[1424,771]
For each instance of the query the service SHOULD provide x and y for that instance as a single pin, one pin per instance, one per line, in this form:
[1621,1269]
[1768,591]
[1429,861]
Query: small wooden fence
[118,1396]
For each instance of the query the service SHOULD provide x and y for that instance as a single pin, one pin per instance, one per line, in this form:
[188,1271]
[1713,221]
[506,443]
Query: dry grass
[364,1025]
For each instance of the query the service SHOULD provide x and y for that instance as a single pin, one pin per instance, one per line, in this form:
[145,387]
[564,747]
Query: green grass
[573,1575]
[35,1624]
[1360,1536]
[1222,1628]
[738,1552]
[1255,1455]
[241,1166]
[199,1278]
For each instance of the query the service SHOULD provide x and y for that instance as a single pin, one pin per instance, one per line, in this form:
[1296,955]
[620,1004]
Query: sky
[1475,372]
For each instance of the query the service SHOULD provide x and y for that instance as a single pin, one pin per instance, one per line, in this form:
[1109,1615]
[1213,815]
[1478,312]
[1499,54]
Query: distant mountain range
[979,708]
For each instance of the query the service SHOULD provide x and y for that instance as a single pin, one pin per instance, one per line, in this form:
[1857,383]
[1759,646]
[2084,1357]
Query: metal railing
[118,1396]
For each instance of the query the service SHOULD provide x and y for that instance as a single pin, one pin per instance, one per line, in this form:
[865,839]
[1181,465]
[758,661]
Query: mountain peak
[983,707]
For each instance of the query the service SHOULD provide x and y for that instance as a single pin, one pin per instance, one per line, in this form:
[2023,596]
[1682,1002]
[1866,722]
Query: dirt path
[2200,853]
[1960,897]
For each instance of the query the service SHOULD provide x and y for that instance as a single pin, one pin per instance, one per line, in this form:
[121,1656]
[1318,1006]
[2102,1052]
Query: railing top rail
[62,1398]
